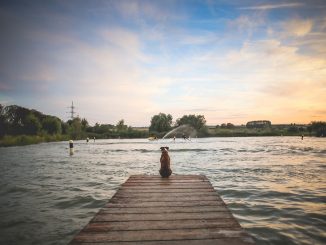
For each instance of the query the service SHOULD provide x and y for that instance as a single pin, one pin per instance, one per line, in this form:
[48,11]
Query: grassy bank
[20,140]
[247,132]
[238,131]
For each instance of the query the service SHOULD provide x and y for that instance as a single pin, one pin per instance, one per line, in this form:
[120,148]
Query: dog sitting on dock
[165,170]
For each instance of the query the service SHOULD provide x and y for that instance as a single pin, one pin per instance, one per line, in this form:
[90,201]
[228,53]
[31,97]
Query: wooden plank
[167,191]
[165,216]
[219,241]
[152,210]
[176,176]
[162,235]
[166,184]
[169,181]
[145,204]
[183,209]
[159,196]
[165,199]
[159,225]
[165,187]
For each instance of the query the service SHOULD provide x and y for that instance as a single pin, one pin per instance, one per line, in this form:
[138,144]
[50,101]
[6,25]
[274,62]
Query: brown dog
[165,170]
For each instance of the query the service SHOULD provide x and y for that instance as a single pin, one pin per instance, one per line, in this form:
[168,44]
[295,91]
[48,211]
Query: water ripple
[275,186]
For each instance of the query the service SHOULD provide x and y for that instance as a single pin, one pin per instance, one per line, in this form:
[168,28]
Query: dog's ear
[166,147]
[162,148]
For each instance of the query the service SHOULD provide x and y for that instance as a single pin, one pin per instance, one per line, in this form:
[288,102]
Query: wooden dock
[147,209]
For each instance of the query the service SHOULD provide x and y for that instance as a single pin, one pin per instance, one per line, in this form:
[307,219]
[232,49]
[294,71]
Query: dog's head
[164,149]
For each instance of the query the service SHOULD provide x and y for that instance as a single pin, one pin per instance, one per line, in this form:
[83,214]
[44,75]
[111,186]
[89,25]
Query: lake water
[275,186]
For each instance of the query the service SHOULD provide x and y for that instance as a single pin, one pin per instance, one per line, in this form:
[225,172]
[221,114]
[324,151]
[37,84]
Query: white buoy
[71,147]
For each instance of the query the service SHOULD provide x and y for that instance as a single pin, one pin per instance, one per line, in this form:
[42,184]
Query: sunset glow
[231,61]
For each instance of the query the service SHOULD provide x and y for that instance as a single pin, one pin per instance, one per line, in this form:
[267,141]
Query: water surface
[275,186]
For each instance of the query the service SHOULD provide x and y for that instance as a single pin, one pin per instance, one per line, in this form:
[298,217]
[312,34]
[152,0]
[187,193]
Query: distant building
[259,124]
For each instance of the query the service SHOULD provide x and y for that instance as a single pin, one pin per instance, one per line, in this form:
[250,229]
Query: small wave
[16,189]
[115,150]
[21,220]
[190,150]
[120,143]
[307,149]
[81,202]
[93,183]
[236,193]
[227,149]
[321,151]
[144,150]
[304,150]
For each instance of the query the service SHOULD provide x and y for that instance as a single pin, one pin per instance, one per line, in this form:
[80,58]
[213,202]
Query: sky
[231,61]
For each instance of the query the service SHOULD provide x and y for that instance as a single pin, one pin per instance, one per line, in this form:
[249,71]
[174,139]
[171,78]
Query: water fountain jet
[183,130]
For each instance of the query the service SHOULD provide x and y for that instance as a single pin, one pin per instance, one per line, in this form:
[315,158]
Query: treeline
[163,123]
[265,128]
[21,126]
[16,120]
[120,130]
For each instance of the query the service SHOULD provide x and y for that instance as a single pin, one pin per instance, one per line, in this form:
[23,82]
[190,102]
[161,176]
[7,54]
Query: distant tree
[65,127]
[32,125]
[52,125]
[301,129]
[96,128]
[101,128]
[3,125]
[223,125]
[197,122]
[319,128]
[15,117]
[75,129]
[84,123]
[161,123]
[121,125]
[293,129]
[259,124]
[229,125]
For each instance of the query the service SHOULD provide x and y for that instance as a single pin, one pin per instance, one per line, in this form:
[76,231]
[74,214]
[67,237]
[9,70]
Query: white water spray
[183,130]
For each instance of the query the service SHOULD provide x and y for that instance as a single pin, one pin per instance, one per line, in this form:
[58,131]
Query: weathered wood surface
[183,209]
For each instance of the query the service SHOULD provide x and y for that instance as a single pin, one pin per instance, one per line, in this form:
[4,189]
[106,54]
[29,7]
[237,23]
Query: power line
[72,111]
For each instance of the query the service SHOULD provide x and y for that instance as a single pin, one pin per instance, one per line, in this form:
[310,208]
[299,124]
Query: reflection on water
[275,186]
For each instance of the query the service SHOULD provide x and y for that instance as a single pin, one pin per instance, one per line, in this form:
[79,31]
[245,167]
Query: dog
[165,170]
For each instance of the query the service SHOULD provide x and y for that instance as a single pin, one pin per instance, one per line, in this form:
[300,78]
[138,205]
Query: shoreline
[24,140]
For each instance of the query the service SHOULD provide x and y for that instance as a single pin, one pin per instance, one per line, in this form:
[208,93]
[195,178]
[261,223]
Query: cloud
[265,79]
[307,35]
[298,27]
[273,6]
[125,41]
[245,22]
[148,12]
[283,80]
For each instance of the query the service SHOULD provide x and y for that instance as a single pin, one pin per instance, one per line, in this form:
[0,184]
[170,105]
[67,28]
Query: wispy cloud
[273,6]
[298,27]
